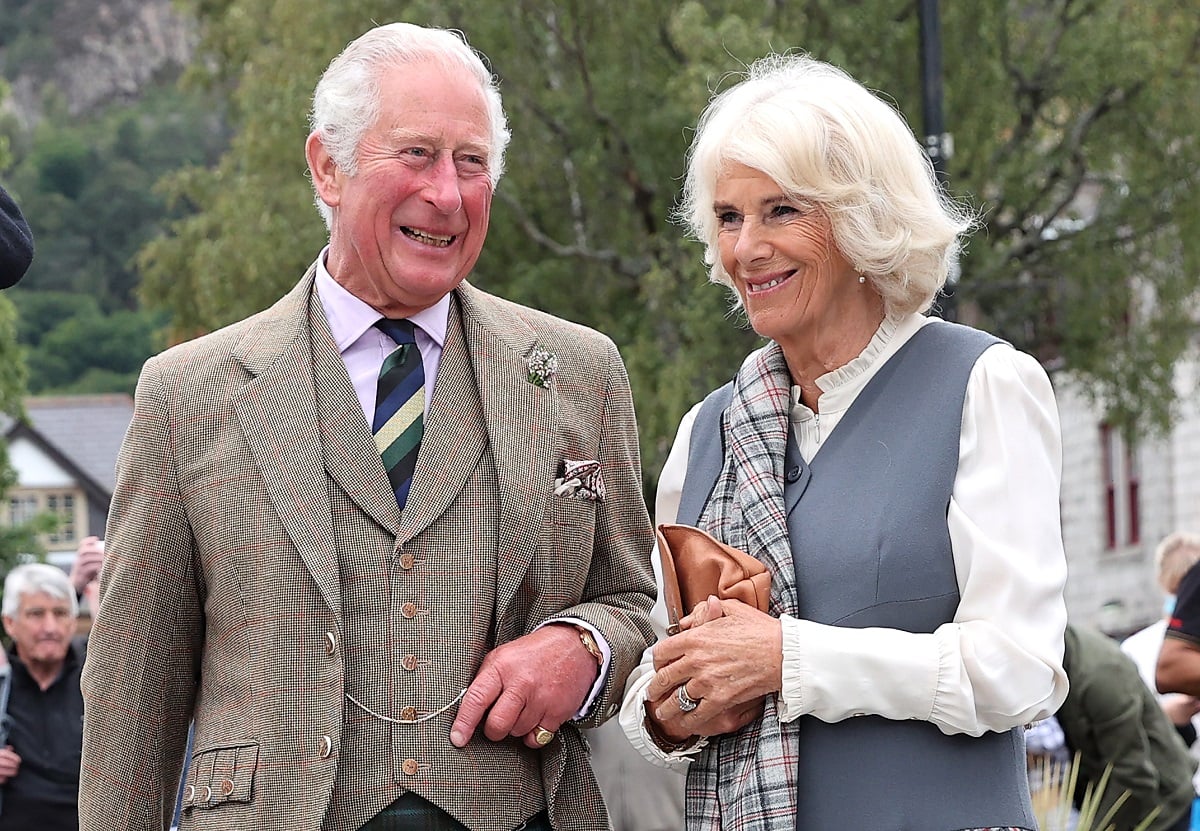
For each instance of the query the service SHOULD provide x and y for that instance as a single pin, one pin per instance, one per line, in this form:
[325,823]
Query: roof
[86,429]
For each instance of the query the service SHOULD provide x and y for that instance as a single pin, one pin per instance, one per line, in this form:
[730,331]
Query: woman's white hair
[824,138]
[346,101]
[33,578]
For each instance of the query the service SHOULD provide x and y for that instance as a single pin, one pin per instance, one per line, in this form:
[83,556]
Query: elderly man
[385,542]
[39,769]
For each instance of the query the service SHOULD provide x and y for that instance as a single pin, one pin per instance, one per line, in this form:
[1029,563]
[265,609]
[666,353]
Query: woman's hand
[730,657]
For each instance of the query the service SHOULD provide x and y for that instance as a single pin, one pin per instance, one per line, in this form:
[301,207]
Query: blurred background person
[1173,558]
[873,458]
[85,577]
[1113,721]
[16,242]
[1178,666]
[39,768]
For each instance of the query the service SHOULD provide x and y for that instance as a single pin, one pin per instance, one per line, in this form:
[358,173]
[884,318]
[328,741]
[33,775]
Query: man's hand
[89,559]
[538,680]
[10,764]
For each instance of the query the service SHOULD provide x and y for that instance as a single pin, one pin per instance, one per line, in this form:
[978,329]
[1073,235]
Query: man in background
[1178,667]
[1173,558]
[16,242]
[1114,722]
[39,768]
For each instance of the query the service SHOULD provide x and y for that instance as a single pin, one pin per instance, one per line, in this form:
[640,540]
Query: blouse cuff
[633,712]
[791,704]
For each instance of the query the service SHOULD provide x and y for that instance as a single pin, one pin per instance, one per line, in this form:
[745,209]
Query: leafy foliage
[88,190]
[1082,166]
[72,346]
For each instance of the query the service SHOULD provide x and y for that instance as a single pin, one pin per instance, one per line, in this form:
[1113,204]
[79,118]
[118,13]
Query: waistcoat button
[409,662]
[793,473]
[409,610]
[326,747]
[410,767]
[407,561]
[408,714]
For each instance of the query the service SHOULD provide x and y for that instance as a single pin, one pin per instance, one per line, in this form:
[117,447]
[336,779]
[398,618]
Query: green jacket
[1110,717]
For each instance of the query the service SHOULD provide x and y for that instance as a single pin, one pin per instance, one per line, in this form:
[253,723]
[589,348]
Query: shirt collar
[350,318]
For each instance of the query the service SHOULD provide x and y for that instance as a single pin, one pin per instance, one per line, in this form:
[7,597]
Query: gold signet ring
[542,736]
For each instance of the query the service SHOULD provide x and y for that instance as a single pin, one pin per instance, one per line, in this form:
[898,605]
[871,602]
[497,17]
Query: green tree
[1082,164]
[73,347]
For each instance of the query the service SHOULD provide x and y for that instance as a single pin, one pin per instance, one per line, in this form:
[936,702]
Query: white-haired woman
[898,475]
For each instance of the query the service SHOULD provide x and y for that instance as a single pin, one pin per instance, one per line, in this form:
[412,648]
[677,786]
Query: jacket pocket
[219,776]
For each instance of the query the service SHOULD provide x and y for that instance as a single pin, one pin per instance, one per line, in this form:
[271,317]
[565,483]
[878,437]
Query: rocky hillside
[93,52]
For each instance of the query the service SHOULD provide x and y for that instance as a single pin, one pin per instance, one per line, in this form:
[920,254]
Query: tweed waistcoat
[417,617]
[871,547]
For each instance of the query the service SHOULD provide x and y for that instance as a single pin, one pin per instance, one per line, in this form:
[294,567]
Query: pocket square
[580,479]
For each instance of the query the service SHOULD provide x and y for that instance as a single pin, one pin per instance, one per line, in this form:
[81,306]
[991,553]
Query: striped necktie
[399,419]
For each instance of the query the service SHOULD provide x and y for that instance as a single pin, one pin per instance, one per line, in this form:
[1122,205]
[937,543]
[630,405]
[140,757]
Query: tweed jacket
[221,597]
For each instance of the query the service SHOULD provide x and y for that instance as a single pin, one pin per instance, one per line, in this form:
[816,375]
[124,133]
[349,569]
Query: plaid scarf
[746,781]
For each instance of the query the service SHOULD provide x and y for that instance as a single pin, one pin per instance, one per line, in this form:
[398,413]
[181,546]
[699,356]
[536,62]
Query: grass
[1053,783]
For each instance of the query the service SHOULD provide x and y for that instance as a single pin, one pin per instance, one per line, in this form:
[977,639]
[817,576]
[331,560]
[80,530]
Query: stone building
[64,454]
[1119,500]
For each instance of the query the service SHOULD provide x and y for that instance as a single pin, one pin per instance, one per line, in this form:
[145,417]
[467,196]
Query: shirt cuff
[602,676]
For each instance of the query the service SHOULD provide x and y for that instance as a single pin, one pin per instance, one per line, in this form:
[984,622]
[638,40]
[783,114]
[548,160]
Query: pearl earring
[861,279]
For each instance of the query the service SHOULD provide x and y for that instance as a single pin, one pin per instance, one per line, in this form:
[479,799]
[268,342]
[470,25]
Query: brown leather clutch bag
[696,565]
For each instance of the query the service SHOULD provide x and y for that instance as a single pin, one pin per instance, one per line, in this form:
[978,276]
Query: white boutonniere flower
[542,365]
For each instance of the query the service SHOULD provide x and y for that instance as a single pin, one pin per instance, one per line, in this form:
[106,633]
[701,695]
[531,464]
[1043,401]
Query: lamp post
[937,141]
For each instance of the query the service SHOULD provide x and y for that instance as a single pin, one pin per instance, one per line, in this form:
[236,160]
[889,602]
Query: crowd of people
[381,549]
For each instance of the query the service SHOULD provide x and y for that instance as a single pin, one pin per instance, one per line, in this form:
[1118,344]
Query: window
[21,509]
[67,506]
[1121,479]
[62,505]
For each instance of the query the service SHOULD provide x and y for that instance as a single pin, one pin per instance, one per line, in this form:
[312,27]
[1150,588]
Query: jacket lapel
[278,415]
[522,428]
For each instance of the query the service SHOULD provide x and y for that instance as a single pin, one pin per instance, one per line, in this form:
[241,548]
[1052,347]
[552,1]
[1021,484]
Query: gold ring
[542,736]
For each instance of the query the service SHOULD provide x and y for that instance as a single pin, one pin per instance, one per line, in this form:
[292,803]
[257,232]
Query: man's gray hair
[346,100]
[34,578]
